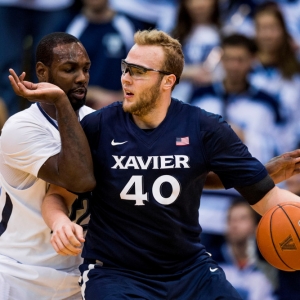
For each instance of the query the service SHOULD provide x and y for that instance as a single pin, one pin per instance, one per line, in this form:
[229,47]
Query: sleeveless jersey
[144,209]
[28,139]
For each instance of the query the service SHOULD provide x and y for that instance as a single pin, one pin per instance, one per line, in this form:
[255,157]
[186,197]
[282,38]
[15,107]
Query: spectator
[291,12]
[23,23]
[276,70]
[152,13]
[197,28]
[237,16]
[252,113]
[253,278]
[107,37]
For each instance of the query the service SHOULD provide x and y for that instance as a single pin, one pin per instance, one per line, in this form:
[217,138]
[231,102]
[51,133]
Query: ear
[42,72]
[169,81]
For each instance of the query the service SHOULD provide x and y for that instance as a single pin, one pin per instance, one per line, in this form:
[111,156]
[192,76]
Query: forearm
[54,209]
[284,166]
[274,197]
[72,167]
[67,237]
[213,182]
[74,150]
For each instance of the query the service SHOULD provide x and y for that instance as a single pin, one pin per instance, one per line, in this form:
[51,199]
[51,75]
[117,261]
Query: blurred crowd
[242,61]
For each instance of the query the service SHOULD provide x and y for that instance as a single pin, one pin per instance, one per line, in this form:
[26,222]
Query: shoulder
[85,110]
[30,116]
[106,113]
[196,115]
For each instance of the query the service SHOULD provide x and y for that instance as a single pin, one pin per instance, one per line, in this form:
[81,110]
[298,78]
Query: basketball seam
[274,246]
[291,220]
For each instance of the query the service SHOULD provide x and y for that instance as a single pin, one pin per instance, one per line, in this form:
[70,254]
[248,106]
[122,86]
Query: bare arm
[72,168]
[274,197]
[284,166]
[67,237]
[213,182]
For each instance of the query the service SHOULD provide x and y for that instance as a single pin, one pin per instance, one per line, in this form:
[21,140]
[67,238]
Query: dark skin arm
[284,166]
[72,168]
[280,168]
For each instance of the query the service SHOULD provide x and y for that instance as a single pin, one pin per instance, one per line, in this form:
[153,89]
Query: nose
[126,70]
[82,76]
[126,77]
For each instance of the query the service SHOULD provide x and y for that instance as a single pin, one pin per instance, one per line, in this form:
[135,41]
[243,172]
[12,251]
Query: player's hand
[284,166]
[67,238]
[42,91]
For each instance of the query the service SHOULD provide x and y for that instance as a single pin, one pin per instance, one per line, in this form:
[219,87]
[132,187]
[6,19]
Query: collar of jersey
[47,116]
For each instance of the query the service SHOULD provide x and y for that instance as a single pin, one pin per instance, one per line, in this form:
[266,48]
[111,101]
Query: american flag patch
[182,141]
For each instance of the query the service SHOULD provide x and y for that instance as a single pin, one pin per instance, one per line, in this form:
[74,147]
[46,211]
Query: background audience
[238,101]
[238,255]
[23,23]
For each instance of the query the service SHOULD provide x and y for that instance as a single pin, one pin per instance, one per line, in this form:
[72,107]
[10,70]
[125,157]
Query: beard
[75,103]
[146,101]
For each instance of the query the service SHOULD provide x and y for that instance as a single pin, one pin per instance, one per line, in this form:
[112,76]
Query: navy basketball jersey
[144,209]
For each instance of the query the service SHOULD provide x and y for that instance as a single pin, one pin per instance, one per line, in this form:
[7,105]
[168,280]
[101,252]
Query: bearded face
[146,101]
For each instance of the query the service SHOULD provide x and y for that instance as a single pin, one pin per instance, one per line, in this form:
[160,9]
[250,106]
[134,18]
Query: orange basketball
[278,236]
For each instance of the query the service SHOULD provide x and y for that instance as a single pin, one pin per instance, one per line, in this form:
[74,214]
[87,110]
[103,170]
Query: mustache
[80,89]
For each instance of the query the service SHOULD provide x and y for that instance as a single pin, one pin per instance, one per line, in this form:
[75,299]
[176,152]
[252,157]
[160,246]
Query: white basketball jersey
[28,139]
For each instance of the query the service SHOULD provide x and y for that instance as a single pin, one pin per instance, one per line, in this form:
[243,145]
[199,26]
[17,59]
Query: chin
[126,106]
[77,105]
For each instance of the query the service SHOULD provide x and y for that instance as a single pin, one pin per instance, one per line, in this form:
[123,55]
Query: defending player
[151,157]
[40,145]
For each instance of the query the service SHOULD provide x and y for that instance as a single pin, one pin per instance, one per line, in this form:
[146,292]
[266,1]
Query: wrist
[61,101]
[60,221]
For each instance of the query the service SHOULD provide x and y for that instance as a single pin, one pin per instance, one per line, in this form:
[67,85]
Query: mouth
[127,93]
[79,93]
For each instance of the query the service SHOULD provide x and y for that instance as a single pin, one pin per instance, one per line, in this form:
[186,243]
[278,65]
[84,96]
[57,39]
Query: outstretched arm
[274,197]
[67,237]
[284,166]
[72,167]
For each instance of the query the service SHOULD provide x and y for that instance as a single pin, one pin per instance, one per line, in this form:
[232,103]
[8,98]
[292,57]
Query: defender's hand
[284,166]
[42,91]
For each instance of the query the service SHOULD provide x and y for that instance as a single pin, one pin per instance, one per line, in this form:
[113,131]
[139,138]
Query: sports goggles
[137,71]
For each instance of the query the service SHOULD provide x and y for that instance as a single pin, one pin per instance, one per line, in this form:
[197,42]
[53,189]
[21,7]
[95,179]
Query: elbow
[82,185]
[86,185]
[91,184]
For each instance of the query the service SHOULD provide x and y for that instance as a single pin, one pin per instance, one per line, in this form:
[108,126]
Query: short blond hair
[174,58]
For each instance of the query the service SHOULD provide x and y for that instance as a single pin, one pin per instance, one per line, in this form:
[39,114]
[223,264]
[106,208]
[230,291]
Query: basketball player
[152,154]
[40,145]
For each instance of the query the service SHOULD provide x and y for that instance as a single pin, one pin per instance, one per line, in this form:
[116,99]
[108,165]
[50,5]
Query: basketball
[278,236]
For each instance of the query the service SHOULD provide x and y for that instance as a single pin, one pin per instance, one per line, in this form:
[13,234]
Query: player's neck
[49,109]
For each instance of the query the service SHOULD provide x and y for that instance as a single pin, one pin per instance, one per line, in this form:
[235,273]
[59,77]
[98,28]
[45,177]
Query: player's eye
[69,70]
[137,71]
